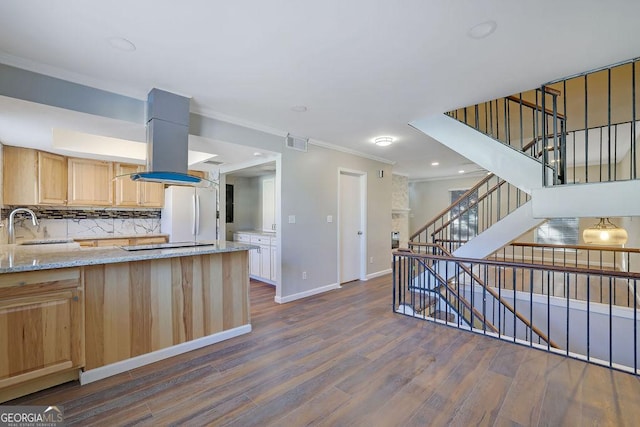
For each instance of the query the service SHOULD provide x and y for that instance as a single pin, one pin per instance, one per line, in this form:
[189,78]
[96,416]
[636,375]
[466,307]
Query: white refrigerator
[190,214]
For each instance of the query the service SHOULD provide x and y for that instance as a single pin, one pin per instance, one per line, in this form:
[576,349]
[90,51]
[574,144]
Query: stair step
[422,301]
[443,315]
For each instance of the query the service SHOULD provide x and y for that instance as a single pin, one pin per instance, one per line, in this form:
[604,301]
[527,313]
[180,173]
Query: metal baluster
[633,164]
[600,153]
[556,148]
[531,300]
[567,291]
[610,325]
[609,124]
[521,122]
[588,317]
[635,327]
[548,315]
[586,129]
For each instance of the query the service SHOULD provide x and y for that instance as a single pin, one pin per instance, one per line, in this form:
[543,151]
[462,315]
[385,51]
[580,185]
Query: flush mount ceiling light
[605,233]
[257,154]
[461,171]
[121,44]
[482,30]
[299,108]
[435,163]
[383,141]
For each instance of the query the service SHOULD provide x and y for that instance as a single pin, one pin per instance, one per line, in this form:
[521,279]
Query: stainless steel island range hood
[167,141]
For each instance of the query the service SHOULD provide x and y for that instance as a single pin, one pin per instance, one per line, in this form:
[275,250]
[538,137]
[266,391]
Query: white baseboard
[300,295]
[379,273]
[155,356]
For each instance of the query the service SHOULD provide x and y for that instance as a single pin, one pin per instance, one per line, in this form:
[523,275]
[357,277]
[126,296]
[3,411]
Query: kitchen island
[71,313]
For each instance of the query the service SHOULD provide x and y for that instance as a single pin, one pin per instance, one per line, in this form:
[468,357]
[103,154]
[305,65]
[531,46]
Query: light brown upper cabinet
[52,179]
[90,183]
[130,193]
[127,191]
[33,177]
[199,174]
[151,194]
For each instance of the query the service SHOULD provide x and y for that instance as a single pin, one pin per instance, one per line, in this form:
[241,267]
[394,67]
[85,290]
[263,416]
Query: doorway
[352,196]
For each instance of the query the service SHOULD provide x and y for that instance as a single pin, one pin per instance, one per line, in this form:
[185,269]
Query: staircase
[540,166]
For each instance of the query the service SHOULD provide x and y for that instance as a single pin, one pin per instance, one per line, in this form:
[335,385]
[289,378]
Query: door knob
[359,233]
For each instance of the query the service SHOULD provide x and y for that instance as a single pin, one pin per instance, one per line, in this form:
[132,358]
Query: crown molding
[85,80]
[205,112]
[334,147]
[69,76]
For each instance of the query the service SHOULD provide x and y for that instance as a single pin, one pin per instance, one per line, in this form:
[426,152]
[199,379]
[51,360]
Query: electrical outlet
[371,260]
[304,275]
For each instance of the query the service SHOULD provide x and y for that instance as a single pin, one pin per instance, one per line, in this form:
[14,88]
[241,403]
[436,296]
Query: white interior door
[351,226]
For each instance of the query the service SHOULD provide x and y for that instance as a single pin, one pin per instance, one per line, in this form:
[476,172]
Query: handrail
[577,247]
[534,106]
[554,268]
[448,208]
[487,288]
[459,214]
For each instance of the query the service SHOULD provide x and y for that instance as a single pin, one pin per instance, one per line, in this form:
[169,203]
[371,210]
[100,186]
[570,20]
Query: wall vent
[296,142]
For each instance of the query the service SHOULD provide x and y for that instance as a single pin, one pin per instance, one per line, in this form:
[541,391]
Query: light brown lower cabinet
[138,307]
[55,322]
[41,330]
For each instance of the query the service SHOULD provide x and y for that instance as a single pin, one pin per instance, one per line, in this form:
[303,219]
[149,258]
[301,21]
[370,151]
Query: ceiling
[362,68]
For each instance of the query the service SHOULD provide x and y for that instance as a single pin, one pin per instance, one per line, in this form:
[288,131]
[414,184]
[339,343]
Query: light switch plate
[329,218]
[292,219]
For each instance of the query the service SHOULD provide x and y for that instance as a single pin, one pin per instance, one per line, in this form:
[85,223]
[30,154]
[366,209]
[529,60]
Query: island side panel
[235,283]
[138,307]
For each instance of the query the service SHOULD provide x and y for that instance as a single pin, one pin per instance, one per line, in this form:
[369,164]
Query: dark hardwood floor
[343,358]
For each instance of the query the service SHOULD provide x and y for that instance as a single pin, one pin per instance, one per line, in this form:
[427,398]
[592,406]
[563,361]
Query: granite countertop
[15,258]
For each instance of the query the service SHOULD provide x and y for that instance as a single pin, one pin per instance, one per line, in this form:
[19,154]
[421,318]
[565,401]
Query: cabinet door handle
[193,217]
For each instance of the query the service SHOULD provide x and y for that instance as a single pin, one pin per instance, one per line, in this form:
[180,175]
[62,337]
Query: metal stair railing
[490,200]
[603,258]
[517,120]
[600,333]
[462,272]
[427,298]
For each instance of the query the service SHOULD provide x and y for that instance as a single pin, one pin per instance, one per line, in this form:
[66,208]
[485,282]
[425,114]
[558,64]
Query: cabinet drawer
[23,284]
[261,240]
[244,238]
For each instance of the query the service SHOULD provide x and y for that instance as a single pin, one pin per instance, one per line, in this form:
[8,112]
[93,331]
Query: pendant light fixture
[605,233]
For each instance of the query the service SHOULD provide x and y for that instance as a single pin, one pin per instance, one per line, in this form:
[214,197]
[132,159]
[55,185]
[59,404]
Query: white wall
[309,191]
[429,198]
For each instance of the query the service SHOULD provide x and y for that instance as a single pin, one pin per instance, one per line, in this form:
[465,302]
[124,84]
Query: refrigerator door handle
[197,214]
[193,217]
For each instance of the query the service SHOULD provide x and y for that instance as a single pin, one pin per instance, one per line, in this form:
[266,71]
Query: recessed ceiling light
[461,171]
[121,44]
[482,30]
[299,108]
[383,141]
[435,163]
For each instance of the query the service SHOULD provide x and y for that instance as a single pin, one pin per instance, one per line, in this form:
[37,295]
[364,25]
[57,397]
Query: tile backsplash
[76,223]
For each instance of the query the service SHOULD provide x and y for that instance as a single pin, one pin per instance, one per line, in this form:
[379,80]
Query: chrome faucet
[12,231]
